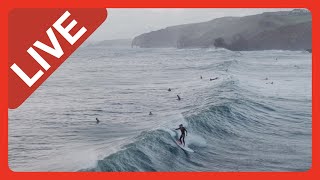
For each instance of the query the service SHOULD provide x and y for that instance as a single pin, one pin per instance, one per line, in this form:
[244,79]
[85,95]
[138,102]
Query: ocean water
[239,122]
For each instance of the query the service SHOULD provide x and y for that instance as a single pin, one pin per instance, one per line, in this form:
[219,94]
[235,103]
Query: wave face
[255,117]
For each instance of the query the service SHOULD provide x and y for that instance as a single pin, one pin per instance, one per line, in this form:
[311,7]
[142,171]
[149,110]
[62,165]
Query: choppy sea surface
[255,117]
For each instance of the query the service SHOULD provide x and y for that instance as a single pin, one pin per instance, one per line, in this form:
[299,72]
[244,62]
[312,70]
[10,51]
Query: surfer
[214,79]
[150,113]
[200,77]
[183,134]
[98,121]
[169,89]
[178,97]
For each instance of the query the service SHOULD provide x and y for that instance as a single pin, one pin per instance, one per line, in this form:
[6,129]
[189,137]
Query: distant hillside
[296,37]
[113,43]
[289,30]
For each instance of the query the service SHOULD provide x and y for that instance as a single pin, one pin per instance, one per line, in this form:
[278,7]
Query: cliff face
[290,30]
[291,37]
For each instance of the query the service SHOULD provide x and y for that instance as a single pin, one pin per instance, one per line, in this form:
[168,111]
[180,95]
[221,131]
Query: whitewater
[256,116]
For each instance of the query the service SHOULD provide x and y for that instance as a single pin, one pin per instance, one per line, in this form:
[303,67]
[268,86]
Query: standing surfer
[183,134]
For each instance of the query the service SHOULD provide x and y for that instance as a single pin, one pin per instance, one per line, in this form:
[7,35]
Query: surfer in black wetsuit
[214,79]
[178,97]
[98,121]
[183,134]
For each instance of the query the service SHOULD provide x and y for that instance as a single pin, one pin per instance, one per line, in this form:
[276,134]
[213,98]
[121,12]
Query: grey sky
[128,23]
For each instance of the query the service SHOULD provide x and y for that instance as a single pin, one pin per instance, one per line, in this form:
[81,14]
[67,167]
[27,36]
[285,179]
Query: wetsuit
[183,134]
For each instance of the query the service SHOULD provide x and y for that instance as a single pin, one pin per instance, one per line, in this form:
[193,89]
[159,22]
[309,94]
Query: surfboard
[183,147]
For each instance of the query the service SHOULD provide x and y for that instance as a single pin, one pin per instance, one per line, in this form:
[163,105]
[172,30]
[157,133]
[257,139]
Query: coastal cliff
[284,30]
